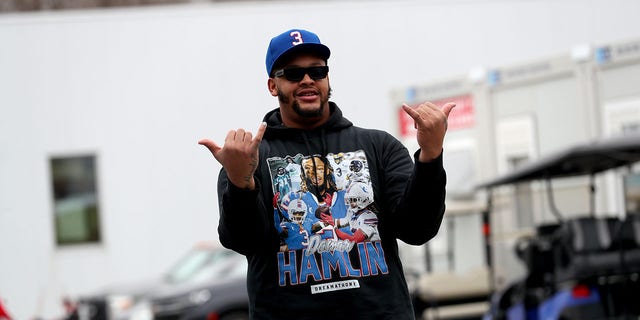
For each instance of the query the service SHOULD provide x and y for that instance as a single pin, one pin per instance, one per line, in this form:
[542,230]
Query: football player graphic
[357,173]
[318,178]
[362,222]
[319,186]
[295,173]
[293,231]
[340,169]
[282,181]
[321,228]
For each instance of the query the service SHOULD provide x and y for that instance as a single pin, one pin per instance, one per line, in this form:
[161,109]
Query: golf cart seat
[589,248]
[628,240]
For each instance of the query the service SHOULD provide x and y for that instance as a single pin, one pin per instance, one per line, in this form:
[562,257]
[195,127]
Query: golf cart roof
[584,159]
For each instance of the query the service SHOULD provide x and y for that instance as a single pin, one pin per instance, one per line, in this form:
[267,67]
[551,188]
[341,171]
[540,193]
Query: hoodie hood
[275,127]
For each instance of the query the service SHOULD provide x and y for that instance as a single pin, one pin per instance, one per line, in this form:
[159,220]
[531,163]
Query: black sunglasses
[297,74]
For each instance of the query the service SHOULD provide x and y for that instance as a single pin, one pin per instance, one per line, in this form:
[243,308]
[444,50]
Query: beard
[304,113]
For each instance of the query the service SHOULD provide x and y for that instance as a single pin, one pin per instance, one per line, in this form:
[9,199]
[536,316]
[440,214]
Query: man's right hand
[239,155]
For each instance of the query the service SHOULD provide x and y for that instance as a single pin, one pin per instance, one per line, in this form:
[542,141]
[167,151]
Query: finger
[247,136]
[447,108]
[239,134]
[258,137]
[213,147]
[431,105]
[410,111]
[231,135]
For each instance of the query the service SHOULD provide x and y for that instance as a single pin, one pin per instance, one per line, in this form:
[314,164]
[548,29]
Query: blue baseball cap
[291,42]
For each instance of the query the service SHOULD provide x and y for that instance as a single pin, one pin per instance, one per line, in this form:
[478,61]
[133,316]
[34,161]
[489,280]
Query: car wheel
[236,315]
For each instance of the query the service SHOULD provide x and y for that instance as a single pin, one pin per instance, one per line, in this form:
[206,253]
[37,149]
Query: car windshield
[205,263]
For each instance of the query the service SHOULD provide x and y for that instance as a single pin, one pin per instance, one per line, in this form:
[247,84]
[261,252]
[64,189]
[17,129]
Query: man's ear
[273,89]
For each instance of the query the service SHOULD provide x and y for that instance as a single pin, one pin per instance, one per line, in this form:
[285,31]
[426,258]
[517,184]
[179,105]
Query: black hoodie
[305,266]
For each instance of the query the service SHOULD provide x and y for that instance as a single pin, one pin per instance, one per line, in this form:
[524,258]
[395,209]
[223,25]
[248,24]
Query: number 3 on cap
[297,36]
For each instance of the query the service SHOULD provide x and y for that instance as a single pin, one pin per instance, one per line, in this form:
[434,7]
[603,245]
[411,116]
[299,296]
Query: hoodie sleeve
[415,193]
[244,224]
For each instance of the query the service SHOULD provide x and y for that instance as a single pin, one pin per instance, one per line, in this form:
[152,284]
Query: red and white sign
[462,116]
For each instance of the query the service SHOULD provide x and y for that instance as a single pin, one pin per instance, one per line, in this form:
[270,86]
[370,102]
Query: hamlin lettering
[323,266]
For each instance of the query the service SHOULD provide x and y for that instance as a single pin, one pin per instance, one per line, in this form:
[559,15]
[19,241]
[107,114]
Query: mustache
[285,99]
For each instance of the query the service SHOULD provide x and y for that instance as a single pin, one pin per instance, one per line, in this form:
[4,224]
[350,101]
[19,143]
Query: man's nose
[307,78]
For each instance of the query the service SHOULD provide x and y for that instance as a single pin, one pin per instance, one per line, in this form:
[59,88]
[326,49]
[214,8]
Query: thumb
[447,108]
[212,146]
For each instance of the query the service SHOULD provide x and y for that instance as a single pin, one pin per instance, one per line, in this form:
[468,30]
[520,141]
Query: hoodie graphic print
[326,219]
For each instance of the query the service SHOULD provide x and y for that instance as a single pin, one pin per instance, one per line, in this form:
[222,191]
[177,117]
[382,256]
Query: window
[75,200]
[523,196]
[632,193]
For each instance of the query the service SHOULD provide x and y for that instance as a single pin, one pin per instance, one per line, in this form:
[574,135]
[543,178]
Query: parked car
[4,314]
[225,298]
[203,264]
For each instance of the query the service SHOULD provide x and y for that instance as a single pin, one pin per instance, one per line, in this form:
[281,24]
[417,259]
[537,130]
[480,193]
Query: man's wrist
[244,183]
[425,156]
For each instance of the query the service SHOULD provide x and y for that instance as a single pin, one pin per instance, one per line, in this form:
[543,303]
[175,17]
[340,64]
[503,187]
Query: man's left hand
[431,123]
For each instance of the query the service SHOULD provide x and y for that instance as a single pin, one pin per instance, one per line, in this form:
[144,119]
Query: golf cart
[577,266]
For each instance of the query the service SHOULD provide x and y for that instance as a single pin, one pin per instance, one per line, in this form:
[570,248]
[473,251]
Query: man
[341,169]
[319,186]
[295,173]
[294,232]
[356,174]
[329,278]
[318,179]
[361,220]
[282,181]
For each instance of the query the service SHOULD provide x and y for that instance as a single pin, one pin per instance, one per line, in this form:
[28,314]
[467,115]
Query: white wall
[140,86]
